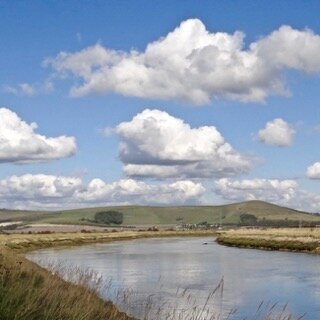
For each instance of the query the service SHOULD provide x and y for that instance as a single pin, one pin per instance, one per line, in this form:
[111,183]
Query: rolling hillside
[149,215]
[21,215]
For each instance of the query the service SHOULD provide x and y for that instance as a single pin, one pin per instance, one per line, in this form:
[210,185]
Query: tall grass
[28,292]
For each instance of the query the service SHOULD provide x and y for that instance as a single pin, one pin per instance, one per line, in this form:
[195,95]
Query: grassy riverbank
[26,242]
[30,292]
[298,240]
[27,291]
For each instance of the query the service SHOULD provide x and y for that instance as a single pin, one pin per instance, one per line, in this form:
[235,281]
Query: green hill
[151,215]
[7,215]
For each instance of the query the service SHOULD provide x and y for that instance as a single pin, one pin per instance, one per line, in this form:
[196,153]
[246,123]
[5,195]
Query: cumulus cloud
[313,172]
[156,144]
[273,190]
[282,192]
[19,143]
[278,133]
[40,186]
[196,65]
[49,191]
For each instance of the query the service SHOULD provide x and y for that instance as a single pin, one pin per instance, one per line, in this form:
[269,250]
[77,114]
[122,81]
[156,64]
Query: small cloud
[29,90]
[316,128]
[109,131]
[79,36]
[277,133]
[313,172]
[10,89]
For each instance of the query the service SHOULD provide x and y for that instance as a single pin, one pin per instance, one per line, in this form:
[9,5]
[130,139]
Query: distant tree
[108,217]
[248,219]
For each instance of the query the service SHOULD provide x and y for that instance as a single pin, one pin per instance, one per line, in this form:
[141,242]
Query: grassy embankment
[28,291]
[298,240]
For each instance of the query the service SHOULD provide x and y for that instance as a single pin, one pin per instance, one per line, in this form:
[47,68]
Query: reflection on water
[157,268]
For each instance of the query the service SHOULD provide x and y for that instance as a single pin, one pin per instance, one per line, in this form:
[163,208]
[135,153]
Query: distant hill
[152,215]
[7,215]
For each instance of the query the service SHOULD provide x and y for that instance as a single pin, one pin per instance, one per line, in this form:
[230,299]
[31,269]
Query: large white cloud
[156,144]
[192,64]
[278,133]
[38,187]
[48,191]
[19,143]
[282,192]
[313,171]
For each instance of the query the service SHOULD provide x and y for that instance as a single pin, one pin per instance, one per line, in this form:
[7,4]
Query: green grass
[20,215]
[148,215]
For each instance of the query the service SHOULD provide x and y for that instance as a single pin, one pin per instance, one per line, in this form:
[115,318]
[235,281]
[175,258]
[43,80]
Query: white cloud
[108,131]
[278,133]
[132,191]
[192,64]
[273,190]
[48,191]
[313,172]
[27,89]
[282,192]
[156,144]
[19,143]
[40,186]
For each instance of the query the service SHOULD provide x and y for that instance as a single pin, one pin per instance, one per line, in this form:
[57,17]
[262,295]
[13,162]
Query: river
[178,276]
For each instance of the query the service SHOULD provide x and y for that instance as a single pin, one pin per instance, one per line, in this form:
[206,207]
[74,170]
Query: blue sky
[238,90]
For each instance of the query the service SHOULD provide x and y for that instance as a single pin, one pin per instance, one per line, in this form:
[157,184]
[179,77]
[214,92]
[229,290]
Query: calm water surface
[154,269]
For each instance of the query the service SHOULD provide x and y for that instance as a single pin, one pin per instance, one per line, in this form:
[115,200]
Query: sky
[159,103]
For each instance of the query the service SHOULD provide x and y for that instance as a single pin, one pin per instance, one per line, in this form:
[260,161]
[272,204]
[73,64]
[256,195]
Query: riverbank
[28,291]
[21,243]
[286,239]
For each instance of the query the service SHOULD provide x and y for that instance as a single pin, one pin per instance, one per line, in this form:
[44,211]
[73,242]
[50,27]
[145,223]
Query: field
[148,215]
[304,239]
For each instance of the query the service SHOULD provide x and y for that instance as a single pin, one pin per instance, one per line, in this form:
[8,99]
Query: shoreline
[22,243]
[29,291]
[58,292]
[287,240]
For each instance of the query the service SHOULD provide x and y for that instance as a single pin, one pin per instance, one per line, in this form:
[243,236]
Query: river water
[179,276]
